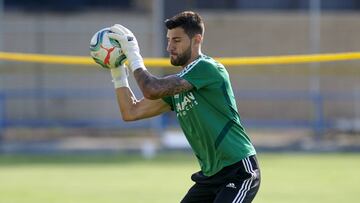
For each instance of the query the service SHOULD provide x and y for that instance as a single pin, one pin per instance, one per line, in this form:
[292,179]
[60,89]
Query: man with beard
[202,98]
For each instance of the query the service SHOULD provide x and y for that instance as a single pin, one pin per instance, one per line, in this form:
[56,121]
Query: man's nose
[169,47]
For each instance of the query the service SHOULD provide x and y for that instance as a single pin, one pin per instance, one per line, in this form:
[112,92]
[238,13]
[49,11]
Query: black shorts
[237,183]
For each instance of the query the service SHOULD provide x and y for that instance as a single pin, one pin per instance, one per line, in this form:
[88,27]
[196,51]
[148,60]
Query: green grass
[286,178]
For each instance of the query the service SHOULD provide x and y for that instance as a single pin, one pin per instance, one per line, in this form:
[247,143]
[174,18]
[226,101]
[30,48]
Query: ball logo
[105,51]
[107,58]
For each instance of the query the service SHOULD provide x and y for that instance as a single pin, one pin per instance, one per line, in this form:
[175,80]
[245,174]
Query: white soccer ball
[105,51]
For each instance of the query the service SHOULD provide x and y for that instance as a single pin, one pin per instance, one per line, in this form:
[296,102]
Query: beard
[182,59]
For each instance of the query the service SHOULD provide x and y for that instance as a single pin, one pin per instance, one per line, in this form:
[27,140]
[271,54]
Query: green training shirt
[209,118]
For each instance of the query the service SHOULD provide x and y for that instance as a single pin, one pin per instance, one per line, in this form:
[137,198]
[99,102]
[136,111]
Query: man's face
[179,46]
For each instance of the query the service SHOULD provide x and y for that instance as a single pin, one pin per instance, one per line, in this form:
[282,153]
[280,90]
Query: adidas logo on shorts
[231,185]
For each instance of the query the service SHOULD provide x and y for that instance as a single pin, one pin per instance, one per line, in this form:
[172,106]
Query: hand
[129,45]
[119,76]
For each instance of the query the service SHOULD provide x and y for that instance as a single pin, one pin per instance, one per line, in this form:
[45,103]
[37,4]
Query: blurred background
[50,108]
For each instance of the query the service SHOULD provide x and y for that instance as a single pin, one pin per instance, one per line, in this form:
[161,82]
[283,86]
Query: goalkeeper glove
[129,46]
[119,76]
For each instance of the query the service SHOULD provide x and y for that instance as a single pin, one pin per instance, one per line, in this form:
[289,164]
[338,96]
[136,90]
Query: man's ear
[198,38]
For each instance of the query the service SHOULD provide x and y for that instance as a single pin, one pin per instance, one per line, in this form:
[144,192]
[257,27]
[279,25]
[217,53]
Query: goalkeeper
[202,98]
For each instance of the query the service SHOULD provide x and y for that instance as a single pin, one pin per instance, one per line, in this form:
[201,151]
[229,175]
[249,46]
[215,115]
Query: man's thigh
[200,193]
[238,192]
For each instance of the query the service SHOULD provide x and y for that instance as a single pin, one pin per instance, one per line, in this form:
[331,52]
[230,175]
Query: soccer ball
[105,51]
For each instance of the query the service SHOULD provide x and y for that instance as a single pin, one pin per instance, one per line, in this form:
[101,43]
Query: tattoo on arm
[160,87]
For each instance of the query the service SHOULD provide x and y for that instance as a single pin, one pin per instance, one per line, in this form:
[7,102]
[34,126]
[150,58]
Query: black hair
[190,21]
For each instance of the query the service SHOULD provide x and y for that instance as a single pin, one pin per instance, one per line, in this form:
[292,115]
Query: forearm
[132,109]
[153,87]
[127,103]
[147,83]
[125,97]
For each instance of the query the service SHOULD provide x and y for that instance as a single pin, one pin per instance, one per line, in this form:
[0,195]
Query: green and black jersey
[209,118]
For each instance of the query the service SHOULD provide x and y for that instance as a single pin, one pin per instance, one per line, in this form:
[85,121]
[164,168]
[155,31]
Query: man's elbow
[128,117]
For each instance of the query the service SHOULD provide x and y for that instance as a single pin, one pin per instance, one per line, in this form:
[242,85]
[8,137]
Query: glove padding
[119,76]
[129,45]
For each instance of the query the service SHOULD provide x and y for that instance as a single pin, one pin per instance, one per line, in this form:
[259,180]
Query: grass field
[286,178]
